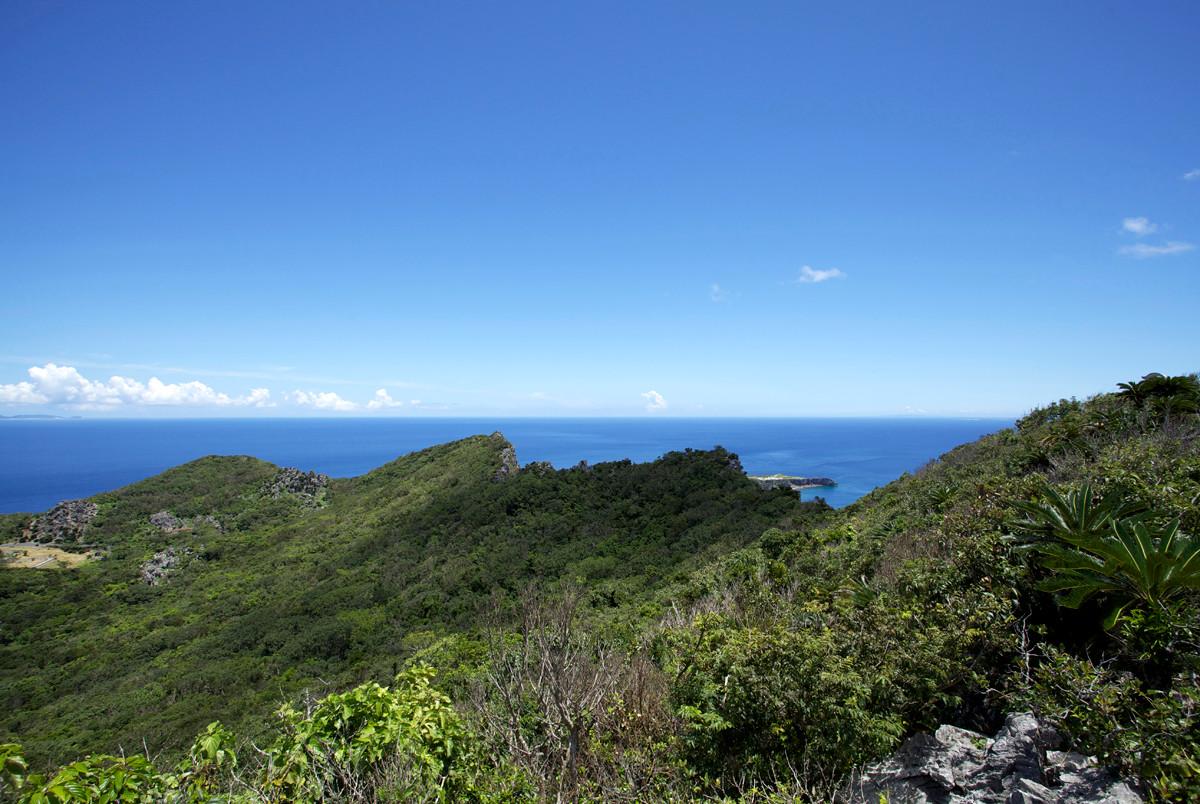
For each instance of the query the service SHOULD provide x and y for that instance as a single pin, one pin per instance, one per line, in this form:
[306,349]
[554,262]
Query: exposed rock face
[508,464]
[540,468]
[582,466]
[66,521]
[955,766]
[797,483]
[165,520]
[293,481]
[735,464]
[156,570]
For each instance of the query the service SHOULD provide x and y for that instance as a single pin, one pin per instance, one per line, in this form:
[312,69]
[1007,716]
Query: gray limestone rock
[156,569]
[306,485]
[540,468]
[1019,766]
[165,520]
[508,464]
[67,521]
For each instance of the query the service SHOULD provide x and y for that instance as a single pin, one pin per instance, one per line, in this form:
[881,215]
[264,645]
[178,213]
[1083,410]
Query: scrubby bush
[371,743]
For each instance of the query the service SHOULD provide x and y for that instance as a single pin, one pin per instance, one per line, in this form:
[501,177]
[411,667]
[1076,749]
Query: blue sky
[594,209]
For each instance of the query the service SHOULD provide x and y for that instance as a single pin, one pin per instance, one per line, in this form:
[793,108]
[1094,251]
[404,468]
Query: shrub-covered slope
[1053,565]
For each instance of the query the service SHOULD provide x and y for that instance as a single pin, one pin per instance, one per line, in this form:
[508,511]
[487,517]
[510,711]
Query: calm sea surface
[45,461]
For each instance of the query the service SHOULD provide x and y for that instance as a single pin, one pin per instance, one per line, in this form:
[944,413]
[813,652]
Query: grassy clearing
[39,556]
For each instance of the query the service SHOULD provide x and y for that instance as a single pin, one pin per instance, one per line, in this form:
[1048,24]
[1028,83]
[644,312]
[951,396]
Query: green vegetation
[283,598]
[654,632]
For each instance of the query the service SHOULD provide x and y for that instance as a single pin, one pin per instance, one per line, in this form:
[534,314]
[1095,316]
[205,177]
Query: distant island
[796,483]
[39,416]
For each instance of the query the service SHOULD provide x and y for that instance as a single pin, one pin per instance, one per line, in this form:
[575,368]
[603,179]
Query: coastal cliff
[794,483]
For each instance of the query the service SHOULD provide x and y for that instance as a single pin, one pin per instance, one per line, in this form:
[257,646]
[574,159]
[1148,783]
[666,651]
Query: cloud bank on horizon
[63,387]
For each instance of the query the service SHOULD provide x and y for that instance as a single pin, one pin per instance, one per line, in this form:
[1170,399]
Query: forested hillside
[656,632]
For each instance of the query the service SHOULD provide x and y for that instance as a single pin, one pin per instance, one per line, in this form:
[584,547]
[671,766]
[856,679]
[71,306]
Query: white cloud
[716,294]
[64,385]
[1141,250]
[260,398]
[1139,226]
[656,401]
[1192,175]
[22,393]
[157,392]
[382,400]
[321,400]
[808,274]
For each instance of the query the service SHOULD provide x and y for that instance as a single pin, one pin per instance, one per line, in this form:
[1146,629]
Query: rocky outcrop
[508,464]
[734,464]
[292,481]
[1018,766]
[165,520]
[540,468]
[795,483]
[67,521]
[156,570]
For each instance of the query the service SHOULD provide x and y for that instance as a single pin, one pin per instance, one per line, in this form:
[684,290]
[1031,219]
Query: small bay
[45,461]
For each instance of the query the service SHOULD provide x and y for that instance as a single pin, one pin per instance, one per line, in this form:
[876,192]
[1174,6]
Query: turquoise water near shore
[45,461]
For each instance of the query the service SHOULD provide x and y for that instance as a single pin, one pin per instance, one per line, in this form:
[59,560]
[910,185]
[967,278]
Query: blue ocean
[45,461]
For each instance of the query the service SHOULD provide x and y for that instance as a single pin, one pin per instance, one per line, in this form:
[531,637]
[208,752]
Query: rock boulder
[1018,766]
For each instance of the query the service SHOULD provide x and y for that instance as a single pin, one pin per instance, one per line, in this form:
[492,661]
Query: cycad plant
[1077,515]
[1132,566]
[1104,548]
[1180,394]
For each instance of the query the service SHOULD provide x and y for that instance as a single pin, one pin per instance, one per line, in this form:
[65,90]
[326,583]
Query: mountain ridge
[428,535]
